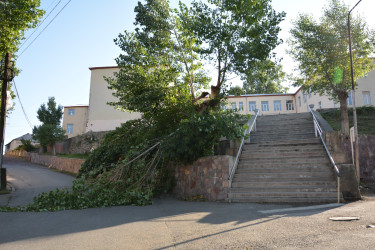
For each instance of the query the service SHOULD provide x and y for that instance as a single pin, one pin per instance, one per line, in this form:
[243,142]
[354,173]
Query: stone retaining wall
[17,153]
[70,165]
[341,151]
[207,177]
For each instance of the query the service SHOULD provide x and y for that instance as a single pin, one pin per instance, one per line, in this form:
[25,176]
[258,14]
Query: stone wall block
[205,177]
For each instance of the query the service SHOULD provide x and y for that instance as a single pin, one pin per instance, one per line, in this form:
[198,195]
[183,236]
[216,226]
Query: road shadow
[21,226]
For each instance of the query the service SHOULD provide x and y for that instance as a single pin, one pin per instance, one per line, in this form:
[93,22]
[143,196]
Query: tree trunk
[344,115]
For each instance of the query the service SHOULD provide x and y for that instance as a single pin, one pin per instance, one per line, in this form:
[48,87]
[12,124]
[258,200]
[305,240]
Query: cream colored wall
[103,117]
[79,120]
[366,83]
[314,99]
[258,100]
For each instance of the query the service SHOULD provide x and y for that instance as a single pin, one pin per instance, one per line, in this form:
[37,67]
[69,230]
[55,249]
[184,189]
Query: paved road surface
[173,224]
[28,180]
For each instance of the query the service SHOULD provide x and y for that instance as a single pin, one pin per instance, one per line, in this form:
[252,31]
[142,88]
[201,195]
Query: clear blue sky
[81,36]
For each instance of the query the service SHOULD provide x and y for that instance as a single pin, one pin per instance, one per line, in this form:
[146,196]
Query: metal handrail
[247,131]
[318,130]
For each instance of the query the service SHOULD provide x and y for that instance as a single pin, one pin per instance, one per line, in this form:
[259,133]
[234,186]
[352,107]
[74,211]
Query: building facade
[100,116]
[75,120]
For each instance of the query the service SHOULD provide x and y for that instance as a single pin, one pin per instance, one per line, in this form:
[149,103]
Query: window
[304,98]
[240,105]
[277,105]
[265,106]
[234,106]
[252,106]
[320,105]
[71,111]
[366,98]
[289,105]
[349,101]
[223,106]
[299,101]
[69,129]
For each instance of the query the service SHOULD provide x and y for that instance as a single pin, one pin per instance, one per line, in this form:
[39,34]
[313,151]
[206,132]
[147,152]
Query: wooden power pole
[4,88]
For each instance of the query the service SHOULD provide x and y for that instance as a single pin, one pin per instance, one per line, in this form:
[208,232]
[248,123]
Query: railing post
[338,189]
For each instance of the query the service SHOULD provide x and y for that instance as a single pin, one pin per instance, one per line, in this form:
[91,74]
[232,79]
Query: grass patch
[365,118]
[76,156]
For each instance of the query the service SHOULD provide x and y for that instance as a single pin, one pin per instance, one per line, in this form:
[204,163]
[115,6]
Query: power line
[44,28]
[19,99]
[40,24]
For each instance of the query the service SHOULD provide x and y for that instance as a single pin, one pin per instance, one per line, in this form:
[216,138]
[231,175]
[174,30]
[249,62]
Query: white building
[100,116]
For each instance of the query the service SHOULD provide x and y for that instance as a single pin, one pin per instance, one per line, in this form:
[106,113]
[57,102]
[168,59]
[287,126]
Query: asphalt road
[28,180]
[173,224]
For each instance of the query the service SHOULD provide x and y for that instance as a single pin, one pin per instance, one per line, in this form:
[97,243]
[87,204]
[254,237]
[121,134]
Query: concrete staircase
[284,163]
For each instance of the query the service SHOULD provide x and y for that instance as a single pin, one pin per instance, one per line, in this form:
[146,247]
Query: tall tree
[16,16]
[321,49]
[265,77]
[50,131]
[234,35]
[162,63]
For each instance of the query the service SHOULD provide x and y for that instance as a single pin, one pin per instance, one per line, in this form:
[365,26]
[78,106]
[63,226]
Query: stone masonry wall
[70,165]
[207,177]
[80,144]
[340,148]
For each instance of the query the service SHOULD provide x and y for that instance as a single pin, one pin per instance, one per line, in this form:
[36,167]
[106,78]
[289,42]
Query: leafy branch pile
[162,75]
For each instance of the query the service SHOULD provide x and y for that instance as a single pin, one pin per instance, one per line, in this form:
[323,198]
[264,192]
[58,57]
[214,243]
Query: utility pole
[356,143]
[6,78]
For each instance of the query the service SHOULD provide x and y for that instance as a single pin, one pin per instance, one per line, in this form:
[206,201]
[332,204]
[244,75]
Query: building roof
[27,136]
[104,67]
[76,106]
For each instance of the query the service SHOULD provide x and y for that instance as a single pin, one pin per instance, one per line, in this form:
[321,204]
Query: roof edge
[104,67]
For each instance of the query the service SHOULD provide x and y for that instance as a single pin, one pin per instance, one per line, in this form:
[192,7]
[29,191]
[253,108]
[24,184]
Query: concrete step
[284,169]
[289,142]
[283,200]
[282,165]
[251,148]
[267,178]
[286,159]
[284,154]
[292,176]
[303,189]
[282,184]
[260,138]
[326,194]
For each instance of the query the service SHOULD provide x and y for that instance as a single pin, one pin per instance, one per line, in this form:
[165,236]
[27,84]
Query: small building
[15,143]
[100,116]
[75,120]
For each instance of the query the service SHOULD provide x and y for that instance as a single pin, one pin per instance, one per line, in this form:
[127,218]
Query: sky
[57,63]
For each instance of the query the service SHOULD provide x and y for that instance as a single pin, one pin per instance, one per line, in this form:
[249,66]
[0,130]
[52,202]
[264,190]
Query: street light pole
[3,111]
[356,143]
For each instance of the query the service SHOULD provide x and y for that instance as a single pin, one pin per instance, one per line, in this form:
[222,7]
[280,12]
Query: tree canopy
[165,55]
[17,16]
[50,131]
[321,50]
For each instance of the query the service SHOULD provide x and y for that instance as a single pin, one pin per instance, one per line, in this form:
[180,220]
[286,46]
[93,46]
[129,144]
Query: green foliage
[76,156]
[27,145]
[265,77]
[50,131]
[321,49]
[48,134]
[50,114]
[197,135]
[365,118]
[17,16]
[164,57]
